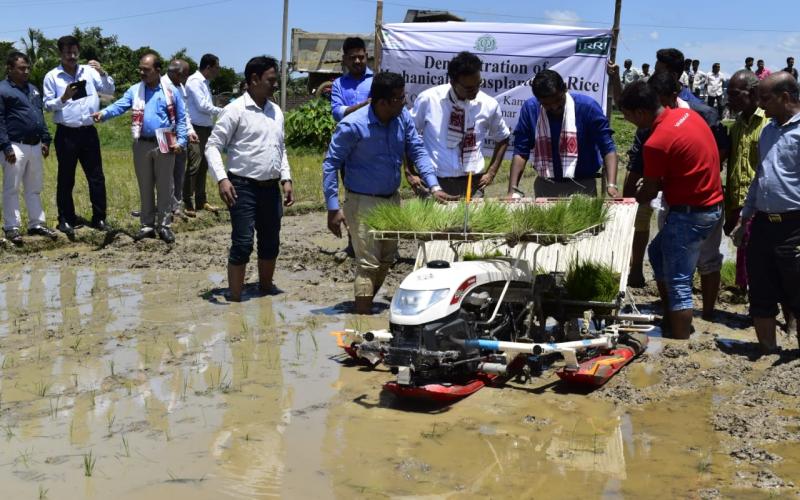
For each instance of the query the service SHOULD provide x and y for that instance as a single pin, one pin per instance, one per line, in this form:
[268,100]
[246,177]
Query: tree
[182,54]
[5,49]
[94,45]
[226,82]
[42,52]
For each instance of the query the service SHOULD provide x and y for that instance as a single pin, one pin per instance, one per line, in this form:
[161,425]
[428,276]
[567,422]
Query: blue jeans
[258,208]
[675,250]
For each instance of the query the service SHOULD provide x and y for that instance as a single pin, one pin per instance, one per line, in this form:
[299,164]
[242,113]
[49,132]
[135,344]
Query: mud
[125,373]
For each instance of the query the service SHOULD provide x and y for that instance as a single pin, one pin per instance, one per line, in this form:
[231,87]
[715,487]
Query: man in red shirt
[680,159]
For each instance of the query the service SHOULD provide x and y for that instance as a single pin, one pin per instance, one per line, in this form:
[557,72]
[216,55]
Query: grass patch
[728,274]
[591,281]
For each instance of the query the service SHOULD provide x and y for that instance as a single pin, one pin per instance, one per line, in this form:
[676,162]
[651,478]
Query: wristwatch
[609,185]
[436,188]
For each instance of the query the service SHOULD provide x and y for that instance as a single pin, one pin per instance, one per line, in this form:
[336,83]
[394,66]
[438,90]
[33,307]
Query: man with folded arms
[773,206]
[155,106]
[371,141]
[251,129]
[24,141]
[681,159]
[455,119]
[76,137]
[568,136]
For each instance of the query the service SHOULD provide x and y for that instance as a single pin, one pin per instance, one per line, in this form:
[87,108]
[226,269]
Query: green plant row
[561,217]
[591,281]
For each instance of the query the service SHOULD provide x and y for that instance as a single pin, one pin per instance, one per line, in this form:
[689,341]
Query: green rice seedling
[561,217]
[8,431]
[54,407]
[89,462]
[474,256]
[25,457]
[76,344]
[314,340]
[126,446]
[170,348]
[42,492]
[245,367]
[591,281]
[92,395]
[489,217]
[41,388]
[111,367]
[110,418]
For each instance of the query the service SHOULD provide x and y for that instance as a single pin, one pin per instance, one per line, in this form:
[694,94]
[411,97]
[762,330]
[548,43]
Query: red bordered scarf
[567,143]
[138,109]
[461,134]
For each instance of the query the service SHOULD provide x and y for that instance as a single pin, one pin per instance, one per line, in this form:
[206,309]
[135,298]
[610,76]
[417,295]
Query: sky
[235,30]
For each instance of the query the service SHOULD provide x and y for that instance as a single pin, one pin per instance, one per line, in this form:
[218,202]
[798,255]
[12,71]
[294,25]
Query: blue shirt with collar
[78,112]
[776,186]
[348,91]
[687,96]
[21,115]
[374,155]
[155,111]
[593,129]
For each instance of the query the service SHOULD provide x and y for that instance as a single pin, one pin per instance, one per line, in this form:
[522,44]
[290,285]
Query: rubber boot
[236,281]
[709,286]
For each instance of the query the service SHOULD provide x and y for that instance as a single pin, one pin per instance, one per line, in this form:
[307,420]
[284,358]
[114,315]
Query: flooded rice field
[125,374]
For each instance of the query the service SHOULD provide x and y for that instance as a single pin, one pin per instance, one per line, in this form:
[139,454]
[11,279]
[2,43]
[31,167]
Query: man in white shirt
[202,112]
[72,103]
[699,82]
[177,74]
[455,120]
[251,129]
[715,83]
[630,74]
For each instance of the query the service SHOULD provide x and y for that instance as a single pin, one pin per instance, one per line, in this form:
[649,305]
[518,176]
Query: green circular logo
[486,43]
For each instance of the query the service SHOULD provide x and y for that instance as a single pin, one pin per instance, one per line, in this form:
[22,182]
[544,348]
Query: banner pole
[612,56]
[284,62]
[377,46]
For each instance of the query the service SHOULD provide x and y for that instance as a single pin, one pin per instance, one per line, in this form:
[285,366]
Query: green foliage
[183,54]
[591,281]
[5,49]
[310,126]
[227,81]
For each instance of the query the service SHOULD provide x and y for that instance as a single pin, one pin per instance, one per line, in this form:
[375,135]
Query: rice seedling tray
[511,239]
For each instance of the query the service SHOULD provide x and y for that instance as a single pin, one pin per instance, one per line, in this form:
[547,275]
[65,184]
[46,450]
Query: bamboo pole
[284,63]
[377,47]
[612,55]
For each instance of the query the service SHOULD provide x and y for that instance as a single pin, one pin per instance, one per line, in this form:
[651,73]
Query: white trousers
[27,171]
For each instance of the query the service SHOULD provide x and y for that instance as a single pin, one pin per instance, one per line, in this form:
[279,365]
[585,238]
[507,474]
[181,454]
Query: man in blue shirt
[570,138]
[371,142]
[24,140]
[349,93]
[351,90]
[773,205]
[76,138]
[156,111]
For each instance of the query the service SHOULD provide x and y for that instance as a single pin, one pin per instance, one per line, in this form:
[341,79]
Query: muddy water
[143,384]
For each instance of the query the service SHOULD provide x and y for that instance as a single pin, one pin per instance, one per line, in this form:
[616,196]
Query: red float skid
[598,370]
[441,393]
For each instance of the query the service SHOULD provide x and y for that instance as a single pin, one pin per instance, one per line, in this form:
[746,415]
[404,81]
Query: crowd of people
[674,167]
[176,102]
[708,86]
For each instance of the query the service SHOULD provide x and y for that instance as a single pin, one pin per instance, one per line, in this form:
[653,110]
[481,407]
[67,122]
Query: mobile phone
[80,89]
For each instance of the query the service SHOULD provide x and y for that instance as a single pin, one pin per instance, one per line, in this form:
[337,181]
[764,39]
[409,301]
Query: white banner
[512,54]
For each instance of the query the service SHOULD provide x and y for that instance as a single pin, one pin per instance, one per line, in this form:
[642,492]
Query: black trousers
[773,266]
[73,145]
